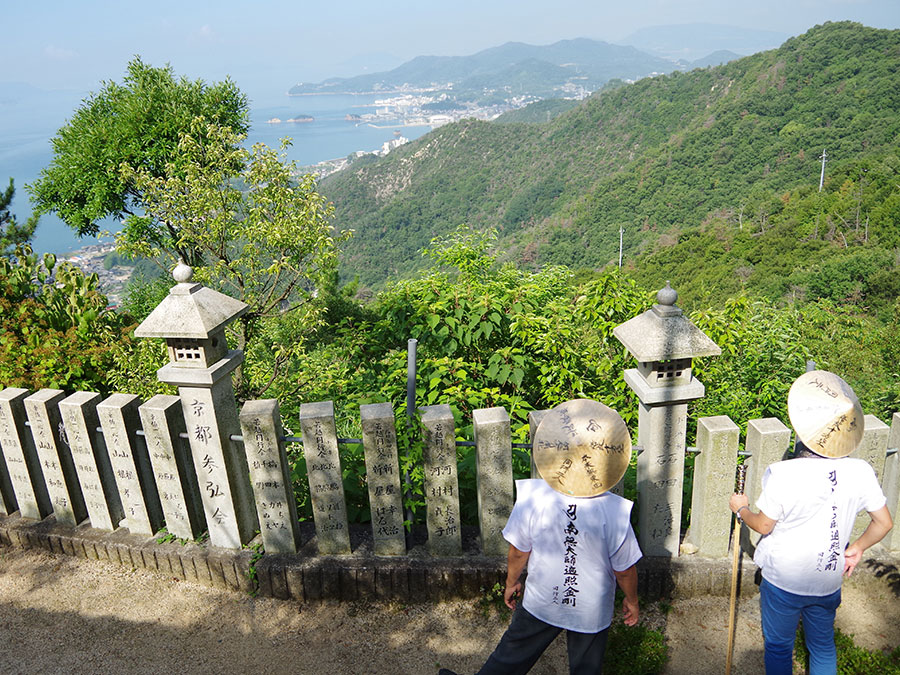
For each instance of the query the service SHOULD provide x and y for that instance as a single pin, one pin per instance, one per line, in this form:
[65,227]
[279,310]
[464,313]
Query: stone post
[891,484]
[872,449]
[326,487]
[270,476]
[714,471]
[22,461]
[55,455]
[8,504]
[664,343]
[131,464]
[768,441]
[383,478]
[441,481]
[493,461]
[176,478]
[211,419]
[92,465]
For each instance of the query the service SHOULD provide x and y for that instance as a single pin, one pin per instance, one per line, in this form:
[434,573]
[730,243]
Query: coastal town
[91,259]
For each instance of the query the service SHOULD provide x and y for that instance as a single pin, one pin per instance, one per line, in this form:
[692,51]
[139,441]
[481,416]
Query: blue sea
[29,119]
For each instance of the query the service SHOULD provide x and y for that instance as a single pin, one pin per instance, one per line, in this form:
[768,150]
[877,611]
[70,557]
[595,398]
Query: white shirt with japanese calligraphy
[815,503]
[575,544]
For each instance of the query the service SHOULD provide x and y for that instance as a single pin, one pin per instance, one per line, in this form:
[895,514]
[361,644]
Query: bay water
[30,118]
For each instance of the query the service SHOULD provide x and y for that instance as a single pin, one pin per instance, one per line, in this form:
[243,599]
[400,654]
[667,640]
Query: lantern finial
[182,272]
[667,295]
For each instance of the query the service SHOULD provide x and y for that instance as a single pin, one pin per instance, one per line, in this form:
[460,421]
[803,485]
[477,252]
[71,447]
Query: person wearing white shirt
[806,514]
[576,540]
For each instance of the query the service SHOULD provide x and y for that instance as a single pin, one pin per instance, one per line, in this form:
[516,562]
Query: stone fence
[100,477]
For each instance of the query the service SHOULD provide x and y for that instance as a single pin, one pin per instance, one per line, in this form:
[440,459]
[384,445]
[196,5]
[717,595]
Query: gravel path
[62,615]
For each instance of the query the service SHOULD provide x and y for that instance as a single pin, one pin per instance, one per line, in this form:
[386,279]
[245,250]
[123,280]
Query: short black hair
[801,450]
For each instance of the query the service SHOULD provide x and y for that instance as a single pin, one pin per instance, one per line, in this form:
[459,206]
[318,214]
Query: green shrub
[55,328]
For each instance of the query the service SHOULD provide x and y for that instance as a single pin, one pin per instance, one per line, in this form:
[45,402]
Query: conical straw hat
[582,448]
[825,413]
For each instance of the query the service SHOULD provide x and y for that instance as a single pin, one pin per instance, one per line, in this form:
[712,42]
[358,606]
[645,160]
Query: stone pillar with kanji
[192,320]
[664,342]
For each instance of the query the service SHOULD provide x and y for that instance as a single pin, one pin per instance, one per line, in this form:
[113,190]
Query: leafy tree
[11,233]
[252,227]
[138,123]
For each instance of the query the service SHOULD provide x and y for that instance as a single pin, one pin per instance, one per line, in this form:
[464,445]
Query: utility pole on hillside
[621,230]
[824,158]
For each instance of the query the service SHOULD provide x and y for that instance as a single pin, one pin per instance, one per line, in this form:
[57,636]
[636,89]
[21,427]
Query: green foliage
[763,352]
[851,659]
[492,602]
[138,123]
[411,449]
[813,245]
[634,650]
[133,365]
[114,259]
[252,573]
[862,349]
[538,112]
[135,362]
[12,234]
[55,330]
[488,335]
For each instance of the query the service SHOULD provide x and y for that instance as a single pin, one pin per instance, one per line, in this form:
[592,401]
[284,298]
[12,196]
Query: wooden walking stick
[736,546]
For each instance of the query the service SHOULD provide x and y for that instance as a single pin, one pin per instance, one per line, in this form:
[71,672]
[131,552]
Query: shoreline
[359,93]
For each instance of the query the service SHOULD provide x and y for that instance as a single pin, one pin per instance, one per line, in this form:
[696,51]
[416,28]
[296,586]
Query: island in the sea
[299,119]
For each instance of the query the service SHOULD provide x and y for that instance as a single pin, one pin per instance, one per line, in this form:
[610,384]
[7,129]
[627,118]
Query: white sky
[69,44]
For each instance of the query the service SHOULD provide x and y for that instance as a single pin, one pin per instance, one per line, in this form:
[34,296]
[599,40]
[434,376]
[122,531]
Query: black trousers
[526,639]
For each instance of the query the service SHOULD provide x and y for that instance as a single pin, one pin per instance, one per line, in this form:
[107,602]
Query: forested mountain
[514,67]
[730,153]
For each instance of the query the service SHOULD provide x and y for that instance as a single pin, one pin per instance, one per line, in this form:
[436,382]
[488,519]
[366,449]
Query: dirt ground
[62,615]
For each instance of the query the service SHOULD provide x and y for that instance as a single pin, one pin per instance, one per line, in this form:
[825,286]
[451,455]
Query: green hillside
[730,151]
[539,111]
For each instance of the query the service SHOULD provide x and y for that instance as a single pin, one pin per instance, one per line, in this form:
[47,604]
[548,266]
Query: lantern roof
[190,310]
[663,332]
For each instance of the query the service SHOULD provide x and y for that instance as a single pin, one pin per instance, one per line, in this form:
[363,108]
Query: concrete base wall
[308,577]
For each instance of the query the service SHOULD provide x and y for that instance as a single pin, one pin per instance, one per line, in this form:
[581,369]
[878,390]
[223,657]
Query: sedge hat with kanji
[825,413]
[582,448]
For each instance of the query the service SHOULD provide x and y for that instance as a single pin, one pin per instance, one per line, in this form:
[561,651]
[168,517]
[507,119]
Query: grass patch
[852,659]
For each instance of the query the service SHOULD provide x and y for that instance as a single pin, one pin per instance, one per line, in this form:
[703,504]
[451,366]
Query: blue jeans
[781,611]
[526,639]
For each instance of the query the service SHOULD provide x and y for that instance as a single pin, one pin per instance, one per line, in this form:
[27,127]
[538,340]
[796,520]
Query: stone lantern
[664,343]
[192,320]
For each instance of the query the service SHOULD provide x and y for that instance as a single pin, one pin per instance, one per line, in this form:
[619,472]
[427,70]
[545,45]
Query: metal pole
[736,546]
[824,157]
[411,346]
[621,230]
